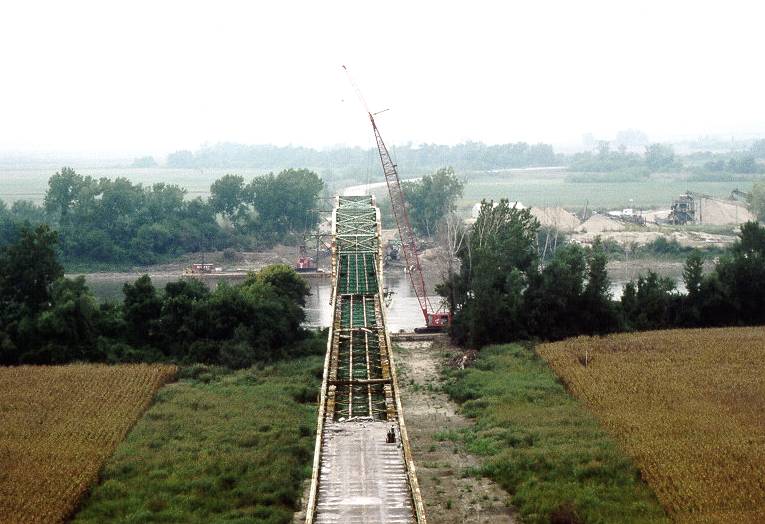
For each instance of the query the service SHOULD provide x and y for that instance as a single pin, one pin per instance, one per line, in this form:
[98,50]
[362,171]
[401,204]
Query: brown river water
[403,309]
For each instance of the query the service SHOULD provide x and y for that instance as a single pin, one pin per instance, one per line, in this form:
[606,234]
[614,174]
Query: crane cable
[358,92]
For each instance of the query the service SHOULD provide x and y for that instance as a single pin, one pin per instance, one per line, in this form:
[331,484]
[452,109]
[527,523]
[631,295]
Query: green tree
[598,312]
[495,262]
[9,229]
[604,148]
[553,304]
[285,203]
[176,322]
[227,196]
[144,162]
[285,280]
[29,268]
[63,191]
[27,212]
[67,331]
[751,241]
[432,198]
[659,156]
[648,304]
[162,202]
[117,221]
[597,275]
[757,200]
[693,273]
[142,310]
[151,240]
[758,148]
[26,282]
[740,278]
[181,159]
[693,278]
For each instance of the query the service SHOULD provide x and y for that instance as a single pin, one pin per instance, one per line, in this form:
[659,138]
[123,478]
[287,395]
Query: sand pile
[556,217]
[656,215]
[623,238]
[599,224]
[720,212]
[684,238]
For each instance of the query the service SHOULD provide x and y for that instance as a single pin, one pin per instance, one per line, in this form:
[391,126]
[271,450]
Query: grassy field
[58,424]
[31,183]
[543,446]
[552,189]
[217,446]
[688,405]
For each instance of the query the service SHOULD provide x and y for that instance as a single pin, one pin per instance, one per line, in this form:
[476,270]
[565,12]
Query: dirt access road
[450,496]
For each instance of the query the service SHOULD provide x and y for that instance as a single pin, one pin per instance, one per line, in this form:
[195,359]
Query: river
[403,310]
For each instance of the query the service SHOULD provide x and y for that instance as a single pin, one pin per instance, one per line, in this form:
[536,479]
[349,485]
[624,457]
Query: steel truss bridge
[359,475]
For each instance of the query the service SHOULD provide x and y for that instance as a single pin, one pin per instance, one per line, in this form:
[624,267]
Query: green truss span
[358,474]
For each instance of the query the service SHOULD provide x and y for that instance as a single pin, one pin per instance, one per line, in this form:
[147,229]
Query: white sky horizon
[154,77]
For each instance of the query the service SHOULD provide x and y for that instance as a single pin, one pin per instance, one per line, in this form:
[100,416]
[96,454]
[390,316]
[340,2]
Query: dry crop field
[58,424]
[688,405]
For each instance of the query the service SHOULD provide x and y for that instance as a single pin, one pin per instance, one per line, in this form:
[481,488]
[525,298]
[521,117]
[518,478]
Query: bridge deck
[358,476]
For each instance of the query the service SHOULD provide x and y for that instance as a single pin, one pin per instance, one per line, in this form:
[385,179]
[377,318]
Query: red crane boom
[434,320]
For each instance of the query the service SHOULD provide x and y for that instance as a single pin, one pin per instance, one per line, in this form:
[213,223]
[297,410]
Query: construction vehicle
[739,195]
[304,263]
[200,269]
[392,252]
[693,207]
[683,210]
[435,319]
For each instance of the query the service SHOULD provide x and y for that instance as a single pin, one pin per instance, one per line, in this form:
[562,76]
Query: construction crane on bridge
[435,319]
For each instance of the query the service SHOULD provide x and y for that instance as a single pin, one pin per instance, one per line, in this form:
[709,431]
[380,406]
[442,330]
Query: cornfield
[687,405]
[58,424]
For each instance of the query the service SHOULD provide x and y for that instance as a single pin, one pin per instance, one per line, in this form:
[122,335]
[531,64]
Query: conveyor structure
[363,471]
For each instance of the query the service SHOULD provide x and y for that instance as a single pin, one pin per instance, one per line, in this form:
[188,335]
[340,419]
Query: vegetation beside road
[542,446]
[218,446]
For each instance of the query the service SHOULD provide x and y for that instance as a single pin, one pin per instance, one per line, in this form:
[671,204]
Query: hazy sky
[159,76]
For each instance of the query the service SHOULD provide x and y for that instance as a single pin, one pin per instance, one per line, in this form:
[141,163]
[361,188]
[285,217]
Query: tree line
[46,318]
[502,293]
[607,157]
[103,222]
[422,157]
[623,164]
[656,157]
[117,221]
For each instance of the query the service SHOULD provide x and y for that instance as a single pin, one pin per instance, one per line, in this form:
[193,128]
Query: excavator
[435,319]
